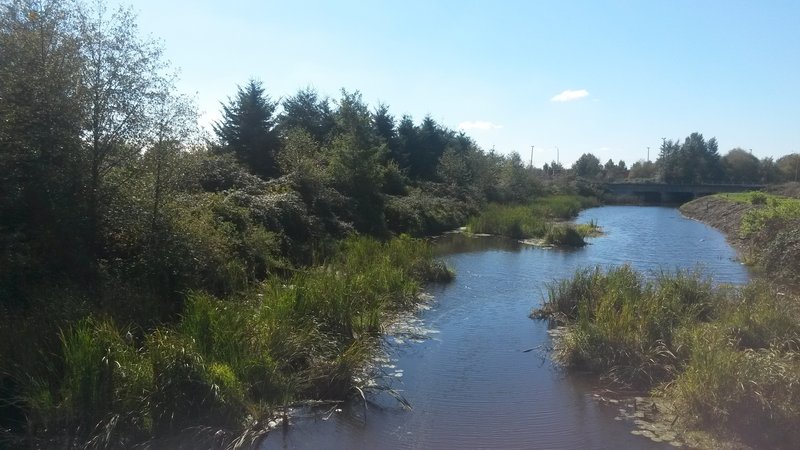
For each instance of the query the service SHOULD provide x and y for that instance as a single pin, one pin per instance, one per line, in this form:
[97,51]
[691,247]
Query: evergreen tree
[694,161]
[385,127]
[306,111]
[247,130]
[424,157]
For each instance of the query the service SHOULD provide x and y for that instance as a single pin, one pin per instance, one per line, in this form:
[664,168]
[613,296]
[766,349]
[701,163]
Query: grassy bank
[727,359]
[535,220]
[724,359]
[226,364]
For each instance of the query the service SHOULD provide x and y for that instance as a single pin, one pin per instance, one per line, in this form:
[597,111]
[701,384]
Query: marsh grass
[532,220]
[516,222]
[728,358]
[564,235]
[229,361]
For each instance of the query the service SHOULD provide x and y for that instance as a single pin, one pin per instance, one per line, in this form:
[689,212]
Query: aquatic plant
[564,235]
[527,221]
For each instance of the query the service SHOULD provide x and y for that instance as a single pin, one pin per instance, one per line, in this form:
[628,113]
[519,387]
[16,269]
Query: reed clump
[564,235]
[727,358]
[534,220]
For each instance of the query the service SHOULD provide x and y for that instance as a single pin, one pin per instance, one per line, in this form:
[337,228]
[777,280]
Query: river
[479,376]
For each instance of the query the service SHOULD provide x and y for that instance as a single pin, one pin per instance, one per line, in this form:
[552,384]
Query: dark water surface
[471,382]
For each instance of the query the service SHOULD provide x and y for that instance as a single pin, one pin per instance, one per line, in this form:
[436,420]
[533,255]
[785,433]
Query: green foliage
[775,208]
[788,167]
[423,214]
[102,376]
[517,222]
[587,166]
[308,113]
[247,129]
[624,325]
[530,221]
[740,166]
[643,170]
[752,392]
[694,161]
[726,357]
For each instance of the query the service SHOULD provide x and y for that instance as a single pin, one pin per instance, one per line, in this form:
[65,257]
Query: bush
[758,198]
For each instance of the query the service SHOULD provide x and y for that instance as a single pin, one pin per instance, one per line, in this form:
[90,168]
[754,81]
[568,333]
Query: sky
[565,77]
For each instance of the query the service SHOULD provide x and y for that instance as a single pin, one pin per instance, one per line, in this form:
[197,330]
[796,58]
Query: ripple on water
[472,385]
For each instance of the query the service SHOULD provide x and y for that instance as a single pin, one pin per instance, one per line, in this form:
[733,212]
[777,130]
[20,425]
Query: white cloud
[478,125]
[570,95]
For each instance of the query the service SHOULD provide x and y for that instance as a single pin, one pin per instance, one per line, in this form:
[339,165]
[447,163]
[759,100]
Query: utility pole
[558,159]
[531,156]
[648,154]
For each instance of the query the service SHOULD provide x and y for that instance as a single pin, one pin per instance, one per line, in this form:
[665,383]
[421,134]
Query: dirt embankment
[723,215]
[774,250]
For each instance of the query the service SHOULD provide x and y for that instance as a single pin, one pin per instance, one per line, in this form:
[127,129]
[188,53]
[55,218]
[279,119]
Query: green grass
[770,208]
[533,220]
[564,235]
[227,362]
[517,222]
[726,357]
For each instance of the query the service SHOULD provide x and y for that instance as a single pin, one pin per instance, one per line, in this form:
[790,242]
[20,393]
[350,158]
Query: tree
[694,161]
[424,157]
[740,166]
[124,84]
[643,170]
[768,171]
[352,117]
[307,111]
[384,124]
[587,166]
[517,183]
[247,129]
[41,158]
[789,167]
[407,142]
[358,173]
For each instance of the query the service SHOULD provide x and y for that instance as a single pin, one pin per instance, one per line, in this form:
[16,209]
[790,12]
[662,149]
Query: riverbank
[719,358]
[763,228]
[227,367]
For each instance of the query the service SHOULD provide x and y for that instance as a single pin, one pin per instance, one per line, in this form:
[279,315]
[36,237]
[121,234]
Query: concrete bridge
[675,193]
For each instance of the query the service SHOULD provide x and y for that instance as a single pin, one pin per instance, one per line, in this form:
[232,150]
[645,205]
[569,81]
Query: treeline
[104,176]
[117,215]
[695,160]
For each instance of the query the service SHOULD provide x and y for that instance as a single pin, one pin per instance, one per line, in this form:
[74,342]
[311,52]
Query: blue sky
[632,71]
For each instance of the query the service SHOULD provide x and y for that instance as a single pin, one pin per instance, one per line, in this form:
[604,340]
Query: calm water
[471,382]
